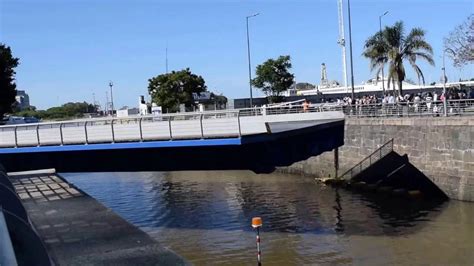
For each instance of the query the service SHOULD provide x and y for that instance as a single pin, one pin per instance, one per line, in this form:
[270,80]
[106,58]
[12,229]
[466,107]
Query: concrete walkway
[78,230]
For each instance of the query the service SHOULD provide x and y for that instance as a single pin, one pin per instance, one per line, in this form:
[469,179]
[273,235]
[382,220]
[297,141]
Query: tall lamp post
[111,85]
[248,54]
[445,104]
[350,48]
[383,65]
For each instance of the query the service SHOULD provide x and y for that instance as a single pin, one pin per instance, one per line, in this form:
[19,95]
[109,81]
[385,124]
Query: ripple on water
[205,217]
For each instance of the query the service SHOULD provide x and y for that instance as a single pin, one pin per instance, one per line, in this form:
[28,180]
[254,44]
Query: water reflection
[205,216]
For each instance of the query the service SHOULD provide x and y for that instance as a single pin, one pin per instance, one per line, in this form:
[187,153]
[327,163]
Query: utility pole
[111,85]
[350,48]
[445,104]
[93,101]
[106,107]
[383,64]
[342,40]
[248,54]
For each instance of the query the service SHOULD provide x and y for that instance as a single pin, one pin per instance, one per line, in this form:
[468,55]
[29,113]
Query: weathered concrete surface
[78,230]
[442,148]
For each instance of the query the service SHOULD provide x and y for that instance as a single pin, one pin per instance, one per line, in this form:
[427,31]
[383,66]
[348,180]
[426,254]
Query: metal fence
[111,130]
[378,154]
[411,109]
[403,109]
[213,124]
[196,125]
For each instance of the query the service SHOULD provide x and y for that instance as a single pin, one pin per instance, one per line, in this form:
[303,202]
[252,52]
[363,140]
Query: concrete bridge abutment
[442,148]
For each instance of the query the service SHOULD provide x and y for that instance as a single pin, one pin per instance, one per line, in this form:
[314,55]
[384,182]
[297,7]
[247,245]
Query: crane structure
[342,40]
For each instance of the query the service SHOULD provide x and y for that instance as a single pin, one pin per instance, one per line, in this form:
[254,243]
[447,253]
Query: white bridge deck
[223,124]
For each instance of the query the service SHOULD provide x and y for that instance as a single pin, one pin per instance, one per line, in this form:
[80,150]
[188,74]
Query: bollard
[256,224]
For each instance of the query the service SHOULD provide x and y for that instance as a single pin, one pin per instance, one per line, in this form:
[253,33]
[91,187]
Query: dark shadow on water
[391,215]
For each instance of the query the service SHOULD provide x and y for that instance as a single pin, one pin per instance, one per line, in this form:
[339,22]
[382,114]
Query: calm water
[205,217]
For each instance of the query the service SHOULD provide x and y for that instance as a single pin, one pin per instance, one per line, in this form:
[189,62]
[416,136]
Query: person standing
[305,106]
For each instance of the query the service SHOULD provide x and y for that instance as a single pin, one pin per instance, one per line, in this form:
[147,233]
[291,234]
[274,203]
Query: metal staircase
[375,156]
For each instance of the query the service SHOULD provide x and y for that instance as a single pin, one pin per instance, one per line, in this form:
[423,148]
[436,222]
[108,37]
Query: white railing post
[16,136]
[38,135]
[169,126]
[238,122]
[141,130]
[85,133]
[202,129]
[113,132]
[61,133]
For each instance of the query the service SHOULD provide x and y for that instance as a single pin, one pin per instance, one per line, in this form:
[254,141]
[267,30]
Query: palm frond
[427,57]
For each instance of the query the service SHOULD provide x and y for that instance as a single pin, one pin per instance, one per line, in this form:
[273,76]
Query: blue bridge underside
[260,153]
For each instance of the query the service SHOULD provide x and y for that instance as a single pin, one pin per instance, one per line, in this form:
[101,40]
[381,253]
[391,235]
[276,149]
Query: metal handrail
[407,109]
[243,112]
[107,119]
[231,122]
[370,158]
[455,106]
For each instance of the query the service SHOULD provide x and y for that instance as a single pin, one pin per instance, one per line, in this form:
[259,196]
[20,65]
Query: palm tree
[392,46]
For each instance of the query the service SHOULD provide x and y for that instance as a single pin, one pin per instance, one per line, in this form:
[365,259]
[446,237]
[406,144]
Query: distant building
[210,101]
[23,100]
[125,111]
[143,106]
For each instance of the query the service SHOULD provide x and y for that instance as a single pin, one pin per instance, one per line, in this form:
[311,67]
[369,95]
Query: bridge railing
[289,109]
[110,130]
[195,125]
[378,154]
[402,109]
[409,109]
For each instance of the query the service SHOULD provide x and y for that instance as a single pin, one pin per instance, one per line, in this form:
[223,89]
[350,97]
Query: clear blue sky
[70,49]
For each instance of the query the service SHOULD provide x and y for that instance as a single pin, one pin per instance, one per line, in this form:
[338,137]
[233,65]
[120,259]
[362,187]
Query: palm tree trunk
[400,90]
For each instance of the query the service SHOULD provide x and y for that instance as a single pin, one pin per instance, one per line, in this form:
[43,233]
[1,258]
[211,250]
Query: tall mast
[342,41]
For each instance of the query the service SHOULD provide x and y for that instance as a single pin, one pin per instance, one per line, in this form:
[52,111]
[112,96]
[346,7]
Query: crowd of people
[425,97]
[423,102]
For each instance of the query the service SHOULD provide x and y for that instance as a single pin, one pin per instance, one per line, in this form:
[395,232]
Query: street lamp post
[445,104]
[111,85]
[248,54]
[350,48]
[383,65]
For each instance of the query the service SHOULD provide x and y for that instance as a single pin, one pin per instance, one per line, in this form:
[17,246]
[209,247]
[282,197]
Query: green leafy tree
[65,111]
[392,46]
[7,79]
[273,77]
[175,88]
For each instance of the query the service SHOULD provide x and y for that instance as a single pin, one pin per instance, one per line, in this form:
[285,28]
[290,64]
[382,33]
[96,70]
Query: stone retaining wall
[442,148]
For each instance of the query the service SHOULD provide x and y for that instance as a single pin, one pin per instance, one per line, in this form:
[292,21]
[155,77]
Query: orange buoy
[256,222]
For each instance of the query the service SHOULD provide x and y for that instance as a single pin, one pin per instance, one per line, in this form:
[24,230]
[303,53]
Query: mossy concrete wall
[442,148]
